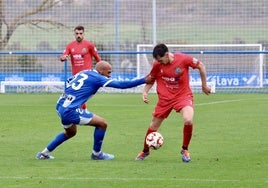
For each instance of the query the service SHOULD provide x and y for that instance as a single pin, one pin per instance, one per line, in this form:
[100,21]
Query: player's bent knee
[103,125]
[188,122]
[71,132]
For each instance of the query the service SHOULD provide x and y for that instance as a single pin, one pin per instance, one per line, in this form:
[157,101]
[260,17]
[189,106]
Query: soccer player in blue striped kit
[80,88]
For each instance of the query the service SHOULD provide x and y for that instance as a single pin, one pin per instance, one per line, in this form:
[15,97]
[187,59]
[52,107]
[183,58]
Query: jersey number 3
[78,82]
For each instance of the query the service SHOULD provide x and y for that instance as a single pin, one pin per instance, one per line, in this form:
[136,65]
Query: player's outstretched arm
[104,68]
[129,84]
[126,84]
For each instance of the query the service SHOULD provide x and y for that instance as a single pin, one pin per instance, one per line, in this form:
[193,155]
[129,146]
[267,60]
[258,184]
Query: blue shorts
[74,116]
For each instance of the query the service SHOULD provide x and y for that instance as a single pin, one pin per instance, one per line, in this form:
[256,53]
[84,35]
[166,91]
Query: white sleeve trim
[109,81]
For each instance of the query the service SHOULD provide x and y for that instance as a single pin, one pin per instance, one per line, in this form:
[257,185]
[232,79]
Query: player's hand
[145,97]
[63,57]
[206,89]
[149,79]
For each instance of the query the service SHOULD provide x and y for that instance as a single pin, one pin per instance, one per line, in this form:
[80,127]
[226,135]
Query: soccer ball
[154,140]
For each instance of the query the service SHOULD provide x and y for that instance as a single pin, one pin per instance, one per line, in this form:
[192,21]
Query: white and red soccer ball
[154,140]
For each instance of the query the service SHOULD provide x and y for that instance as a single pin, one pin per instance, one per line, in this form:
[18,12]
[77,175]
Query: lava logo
[251,80]
[235,80]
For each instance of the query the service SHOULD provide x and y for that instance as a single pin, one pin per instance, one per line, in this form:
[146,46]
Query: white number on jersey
[76,83]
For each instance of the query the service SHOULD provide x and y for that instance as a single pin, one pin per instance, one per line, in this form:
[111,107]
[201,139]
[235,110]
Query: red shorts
[164,107]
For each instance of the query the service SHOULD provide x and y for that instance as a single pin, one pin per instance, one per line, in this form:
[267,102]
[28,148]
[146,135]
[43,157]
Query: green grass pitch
[229,147]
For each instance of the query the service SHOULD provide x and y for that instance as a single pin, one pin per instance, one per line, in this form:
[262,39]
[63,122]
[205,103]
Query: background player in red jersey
[81,53]
[171,74]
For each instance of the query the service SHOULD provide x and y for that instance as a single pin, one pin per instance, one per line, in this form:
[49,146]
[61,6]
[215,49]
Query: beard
[79,39]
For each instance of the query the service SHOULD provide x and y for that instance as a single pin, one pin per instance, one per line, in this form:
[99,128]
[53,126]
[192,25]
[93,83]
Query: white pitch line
[131,105]
[229,101]
[129,179]
[219,102]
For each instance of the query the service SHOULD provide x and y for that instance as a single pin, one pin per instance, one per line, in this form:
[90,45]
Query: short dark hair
[160,50]
[80,27]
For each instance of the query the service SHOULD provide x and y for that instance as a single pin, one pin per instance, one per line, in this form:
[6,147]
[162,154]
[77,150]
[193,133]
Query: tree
[26,18]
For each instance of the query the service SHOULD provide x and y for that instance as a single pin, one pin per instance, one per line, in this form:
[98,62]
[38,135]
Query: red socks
[187,135]
[145,147]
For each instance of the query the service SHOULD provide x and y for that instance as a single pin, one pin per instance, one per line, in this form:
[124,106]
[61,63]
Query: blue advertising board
[221,80]
[236,80]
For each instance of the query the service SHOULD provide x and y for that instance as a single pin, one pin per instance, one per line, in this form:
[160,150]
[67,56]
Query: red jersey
[172,79]
[81,55]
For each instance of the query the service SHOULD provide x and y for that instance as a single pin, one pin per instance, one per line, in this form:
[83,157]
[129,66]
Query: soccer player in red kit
[171,74]
[81,53]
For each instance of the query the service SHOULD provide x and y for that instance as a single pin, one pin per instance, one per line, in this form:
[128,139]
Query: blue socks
[98,138]
[59,139]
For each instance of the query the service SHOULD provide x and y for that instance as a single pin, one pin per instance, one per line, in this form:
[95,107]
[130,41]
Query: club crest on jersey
[84,50]
[178,70]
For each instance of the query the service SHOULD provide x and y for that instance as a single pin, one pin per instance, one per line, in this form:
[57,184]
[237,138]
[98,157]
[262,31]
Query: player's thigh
[162,109]
[186,108]
[74,116]
[187,113]
[85,116]
[98,121]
